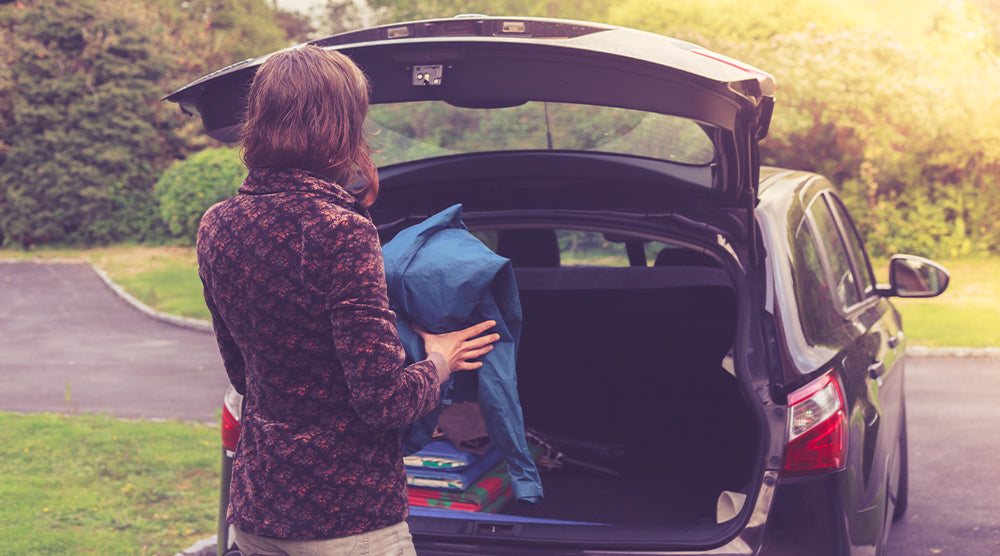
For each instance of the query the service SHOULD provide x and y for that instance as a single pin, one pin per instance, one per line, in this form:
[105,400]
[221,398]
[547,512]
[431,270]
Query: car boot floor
[633,501]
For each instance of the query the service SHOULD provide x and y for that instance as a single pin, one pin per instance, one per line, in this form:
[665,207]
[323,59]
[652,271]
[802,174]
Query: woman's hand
[460,347]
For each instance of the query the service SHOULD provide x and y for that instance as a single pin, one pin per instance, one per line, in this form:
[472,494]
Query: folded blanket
[453,479]
[495,506]
[440,454]
[449,503]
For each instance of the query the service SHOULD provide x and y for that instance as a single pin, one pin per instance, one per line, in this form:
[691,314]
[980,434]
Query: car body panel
[866,348]
[666,76]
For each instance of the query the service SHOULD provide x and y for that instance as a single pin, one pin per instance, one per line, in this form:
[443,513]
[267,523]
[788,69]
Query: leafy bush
[189,187]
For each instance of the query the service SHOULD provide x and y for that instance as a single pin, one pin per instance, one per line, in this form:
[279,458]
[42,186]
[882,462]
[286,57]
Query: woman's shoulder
[337,219]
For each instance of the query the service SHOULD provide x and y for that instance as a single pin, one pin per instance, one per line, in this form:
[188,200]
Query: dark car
[705,353]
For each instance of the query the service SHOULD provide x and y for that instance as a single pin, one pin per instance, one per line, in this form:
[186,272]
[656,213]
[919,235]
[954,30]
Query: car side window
[817,310]
[862,265]
[845,286]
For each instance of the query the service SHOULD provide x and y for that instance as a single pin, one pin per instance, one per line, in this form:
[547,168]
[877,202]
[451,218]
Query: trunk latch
[427,75]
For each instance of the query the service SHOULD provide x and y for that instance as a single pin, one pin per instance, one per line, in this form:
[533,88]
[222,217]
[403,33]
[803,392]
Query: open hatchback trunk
[617,170]
[626,370]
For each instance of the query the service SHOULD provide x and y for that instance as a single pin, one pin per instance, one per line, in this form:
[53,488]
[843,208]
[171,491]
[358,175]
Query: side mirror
[911,276]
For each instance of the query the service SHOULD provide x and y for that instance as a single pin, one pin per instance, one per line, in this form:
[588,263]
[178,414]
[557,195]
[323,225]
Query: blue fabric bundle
[443,278]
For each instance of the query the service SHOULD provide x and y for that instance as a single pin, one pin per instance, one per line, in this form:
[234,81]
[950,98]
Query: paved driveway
[953,414]
[68,343]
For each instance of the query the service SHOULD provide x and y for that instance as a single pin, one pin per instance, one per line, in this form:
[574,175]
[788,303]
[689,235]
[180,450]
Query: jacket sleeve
[384,392]
[232,357]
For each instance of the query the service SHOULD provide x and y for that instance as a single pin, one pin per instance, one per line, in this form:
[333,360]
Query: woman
[294,280]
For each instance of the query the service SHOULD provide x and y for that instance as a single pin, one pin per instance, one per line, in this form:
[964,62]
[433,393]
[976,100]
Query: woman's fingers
[480,341]
[461,347]
[468,365]
[472,353]
[467,361]
[476,329]
[463,334]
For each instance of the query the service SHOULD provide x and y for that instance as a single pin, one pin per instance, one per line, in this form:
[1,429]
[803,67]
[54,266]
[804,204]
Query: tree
[197,37]
[390,11]
[77,169]
[84,132]
[895,102]
[735,20]
[298,27]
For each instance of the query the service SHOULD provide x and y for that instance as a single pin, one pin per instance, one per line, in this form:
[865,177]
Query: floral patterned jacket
[294,279]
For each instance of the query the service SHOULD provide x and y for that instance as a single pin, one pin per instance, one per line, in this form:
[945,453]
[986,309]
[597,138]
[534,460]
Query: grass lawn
[91,484]
[967,314]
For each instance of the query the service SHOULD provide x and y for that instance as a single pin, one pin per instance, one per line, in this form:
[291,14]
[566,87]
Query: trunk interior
[622,369]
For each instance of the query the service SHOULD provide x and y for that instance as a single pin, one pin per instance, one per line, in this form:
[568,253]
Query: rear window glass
[578,248]
[409,131]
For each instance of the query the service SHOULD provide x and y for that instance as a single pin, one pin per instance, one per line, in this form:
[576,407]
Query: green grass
[164,278]
[167,284]
[967,314]
[91,484]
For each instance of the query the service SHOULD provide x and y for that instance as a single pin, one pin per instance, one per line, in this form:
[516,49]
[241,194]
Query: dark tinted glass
[816,306]
[862,265]
[844,286]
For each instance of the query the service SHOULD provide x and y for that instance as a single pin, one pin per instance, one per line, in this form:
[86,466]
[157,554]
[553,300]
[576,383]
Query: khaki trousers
[394,540]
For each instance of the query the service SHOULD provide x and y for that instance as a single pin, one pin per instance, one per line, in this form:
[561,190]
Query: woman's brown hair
[306,109]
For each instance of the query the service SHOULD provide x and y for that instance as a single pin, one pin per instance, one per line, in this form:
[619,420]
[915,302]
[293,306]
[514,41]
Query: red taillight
[231,414]
[817,428]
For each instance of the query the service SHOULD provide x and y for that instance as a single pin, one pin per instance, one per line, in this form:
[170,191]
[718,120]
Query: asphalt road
[68,343]
[953,414]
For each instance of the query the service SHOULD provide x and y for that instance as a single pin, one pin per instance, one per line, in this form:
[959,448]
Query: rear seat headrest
[673,256]
[529,248]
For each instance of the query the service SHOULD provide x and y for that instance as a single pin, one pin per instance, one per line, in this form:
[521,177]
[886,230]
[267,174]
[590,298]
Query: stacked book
[442,476]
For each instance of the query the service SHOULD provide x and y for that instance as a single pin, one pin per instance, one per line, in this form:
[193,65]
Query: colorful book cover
[452,479]
[440,454]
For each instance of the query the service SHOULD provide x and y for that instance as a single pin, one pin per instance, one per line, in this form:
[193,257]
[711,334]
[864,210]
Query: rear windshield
[409,131]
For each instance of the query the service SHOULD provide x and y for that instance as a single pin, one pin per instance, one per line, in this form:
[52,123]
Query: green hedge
[189,187]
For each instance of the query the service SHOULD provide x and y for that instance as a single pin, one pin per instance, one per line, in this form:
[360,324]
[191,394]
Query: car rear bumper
[797,516]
